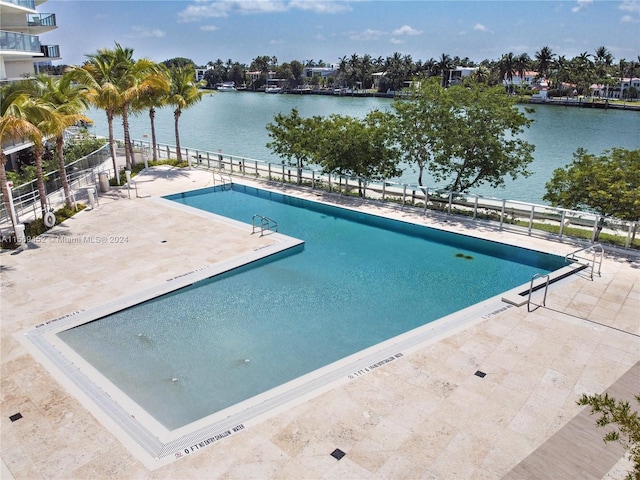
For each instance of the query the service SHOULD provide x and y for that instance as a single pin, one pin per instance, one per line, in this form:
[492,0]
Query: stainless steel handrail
[531,289]
[265,223]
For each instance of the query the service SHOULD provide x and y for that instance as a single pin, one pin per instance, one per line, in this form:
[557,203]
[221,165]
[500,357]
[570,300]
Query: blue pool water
[359,280]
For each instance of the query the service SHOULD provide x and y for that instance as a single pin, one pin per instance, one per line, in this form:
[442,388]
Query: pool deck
[424,416]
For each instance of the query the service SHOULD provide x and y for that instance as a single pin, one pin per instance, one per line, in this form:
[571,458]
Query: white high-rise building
[21,50]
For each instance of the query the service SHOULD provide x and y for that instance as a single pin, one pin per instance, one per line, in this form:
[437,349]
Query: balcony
[41,20]
[19,43]
[50,51]
[30,4]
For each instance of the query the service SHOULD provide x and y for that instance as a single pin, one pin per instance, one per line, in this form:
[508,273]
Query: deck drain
[480,374]
[337,454]
[16,416]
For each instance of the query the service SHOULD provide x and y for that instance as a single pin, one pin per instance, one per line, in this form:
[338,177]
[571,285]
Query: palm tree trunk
[40,178]
[5,189]
[128,151]
[152,118]
[112,146]
[176,115]
[63,171]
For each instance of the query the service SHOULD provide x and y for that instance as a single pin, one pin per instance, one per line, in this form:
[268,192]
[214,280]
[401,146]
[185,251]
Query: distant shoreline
[581,103]
[561,102]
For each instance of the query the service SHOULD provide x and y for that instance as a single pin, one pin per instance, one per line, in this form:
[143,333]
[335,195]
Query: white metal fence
[522,217]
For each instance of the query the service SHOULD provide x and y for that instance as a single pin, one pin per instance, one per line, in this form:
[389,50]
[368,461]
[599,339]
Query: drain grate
[15,416]
[337,454]
[480,374]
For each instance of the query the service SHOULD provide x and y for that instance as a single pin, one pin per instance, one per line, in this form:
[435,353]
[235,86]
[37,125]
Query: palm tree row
[357,71]
[110,80]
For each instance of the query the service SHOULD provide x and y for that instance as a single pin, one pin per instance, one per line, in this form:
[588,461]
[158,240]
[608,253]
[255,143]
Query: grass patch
[584,234]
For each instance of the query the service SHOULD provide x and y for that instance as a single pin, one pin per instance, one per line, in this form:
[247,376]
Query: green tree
[444,65]
[179,62]
[619,413]
[153,95]
[183,93]
[141,78]
[68,102]
[608,184]
[293,139]
[25,104]
[101,75]
[507,70]
[465,135]
[15,123]
[360,148]
[544,60]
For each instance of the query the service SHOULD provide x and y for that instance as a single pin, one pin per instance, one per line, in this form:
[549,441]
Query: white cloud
[208,28]
[478,27]
[633,7]
[629,19]
[320,6]
[630,6]
[224,8]
[580,5]
[396,41]
[144,32]
[367,34]
[407,30]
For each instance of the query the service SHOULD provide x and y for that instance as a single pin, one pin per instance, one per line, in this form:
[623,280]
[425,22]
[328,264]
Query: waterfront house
[618,89]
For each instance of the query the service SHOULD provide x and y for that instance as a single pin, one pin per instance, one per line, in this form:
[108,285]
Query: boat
[226,87]
[273,86]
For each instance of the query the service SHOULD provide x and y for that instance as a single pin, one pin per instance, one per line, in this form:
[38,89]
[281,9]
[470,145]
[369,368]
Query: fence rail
[514,215]
[521,217]
[80,174]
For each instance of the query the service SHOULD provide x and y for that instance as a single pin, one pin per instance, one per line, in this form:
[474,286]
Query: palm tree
[67,101]
[521,65]
[143,76]
[155,96]
[101,75]
[507,69]
[23,115]
[444,65]
[183,93]
[14,124]
[481,75]
[544,59]
[603,61]
[365,68]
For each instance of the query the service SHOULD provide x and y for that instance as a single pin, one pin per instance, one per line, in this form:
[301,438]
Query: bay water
[235,123]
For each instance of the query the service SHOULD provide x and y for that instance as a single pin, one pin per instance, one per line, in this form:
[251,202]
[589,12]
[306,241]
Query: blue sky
[241,30]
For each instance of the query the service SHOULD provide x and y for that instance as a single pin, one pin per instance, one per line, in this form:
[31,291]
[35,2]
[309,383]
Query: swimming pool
[359,280]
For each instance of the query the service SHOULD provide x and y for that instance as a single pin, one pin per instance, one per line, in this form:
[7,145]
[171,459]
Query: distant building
[21,51]
[458,74]
[255,75]
[200,72]
[617,90]
[529,79]
[321,71]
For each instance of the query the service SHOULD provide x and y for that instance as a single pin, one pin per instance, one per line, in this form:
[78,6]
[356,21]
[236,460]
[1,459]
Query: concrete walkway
[425,416]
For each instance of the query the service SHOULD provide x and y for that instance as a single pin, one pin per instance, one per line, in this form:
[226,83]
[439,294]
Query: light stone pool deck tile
[425,416]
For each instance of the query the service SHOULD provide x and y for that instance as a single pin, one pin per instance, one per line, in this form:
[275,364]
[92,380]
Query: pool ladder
[532,288]
[591,256]
[264,224]
[223,179]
